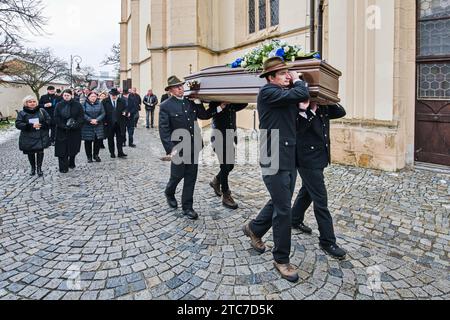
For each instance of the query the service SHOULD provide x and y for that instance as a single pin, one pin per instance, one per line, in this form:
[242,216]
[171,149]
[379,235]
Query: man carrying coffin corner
[278,107]
[178,123]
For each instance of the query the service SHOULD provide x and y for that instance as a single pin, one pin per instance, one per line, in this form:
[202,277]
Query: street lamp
[77,60]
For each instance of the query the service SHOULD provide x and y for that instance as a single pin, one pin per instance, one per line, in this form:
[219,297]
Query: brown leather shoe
[256,242]
[228,201]
[215,184]
[287,271]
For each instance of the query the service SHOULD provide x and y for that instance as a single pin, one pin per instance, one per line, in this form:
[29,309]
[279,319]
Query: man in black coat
[178,118]
[224,123]
[48,103]
[69,119]
[313,156]
[138,100]
[150,101]
[115,122]
[278,104]
[133,106]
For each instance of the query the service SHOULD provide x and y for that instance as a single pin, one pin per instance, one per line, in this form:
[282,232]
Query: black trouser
[226,165]
[188,172]
[65,162]
[115,132]
[314,190]
[36,158]
[277,213]
[88,147]
[225,170]
[131,125]
[150,115]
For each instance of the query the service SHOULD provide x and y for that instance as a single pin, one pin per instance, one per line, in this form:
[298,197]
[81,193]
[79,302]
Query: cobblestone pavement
[104,231]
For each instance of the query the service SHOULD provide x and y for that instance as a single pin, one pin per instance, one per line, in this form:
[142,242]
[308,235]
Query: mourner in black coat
[181,114]
[150,102]
[115,122]
[69,119]
[48,103]
[93,130]
[278,108]
[312,157]
[224,123]
[34,124]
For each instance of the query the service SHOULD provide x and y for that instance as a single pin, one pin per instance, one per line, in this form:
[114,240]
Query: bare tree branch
[37,68]
[15,16]
[113,59]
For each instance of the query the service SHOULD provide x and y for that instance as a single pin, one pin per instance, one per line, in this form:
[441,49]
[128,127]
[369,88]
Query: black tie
[114,104]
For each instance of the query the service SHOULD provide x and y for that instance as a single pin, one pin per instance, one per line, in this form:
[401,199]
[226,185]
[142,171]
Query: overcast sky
[87,28]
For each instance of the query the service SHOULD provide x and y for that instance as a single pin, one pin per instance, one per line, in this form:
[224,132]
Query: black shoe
[90,160]
[133,146]
[97,159]
[302,228]
[148,127]
[190,214]
[122,155]
[39,172]
[64,171]
[172,202]
[72,166]
[33,172]
[334,251]
[113,156]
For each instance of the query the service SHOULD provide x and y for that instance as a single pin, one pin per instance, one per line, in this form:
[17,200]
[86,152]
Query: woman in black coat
[93,132]
[34,124]
[69,119]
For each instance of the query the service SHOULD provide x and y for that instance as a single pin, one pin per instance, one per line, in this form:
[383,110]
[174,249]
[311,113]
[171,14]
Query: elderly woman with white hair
[34,124]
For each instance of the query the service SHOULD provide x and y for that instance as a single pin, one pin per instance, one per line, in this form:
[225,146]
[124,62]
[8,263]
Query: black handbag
[71,123]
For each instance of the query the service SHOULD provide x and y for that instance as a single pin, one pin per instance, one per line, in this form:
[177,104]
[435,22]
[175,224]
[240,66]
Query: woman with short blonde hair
[34,124]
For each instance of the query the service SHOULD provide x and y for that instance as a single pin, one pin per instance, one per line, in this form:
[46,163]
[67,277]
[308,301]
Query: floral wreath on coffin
[254,60]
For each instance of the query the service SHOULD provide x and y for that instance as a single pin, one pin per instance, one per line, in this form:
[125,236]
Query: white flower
[243,64]
[293,58]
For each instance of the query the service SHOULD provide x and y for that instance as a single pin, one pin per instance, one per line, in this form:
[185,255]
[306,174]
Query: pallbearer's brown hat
[173,81]
[273,64]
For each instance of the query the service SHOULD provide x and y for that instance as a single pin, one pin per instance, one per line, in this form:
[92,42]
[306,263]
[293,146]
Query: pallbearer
[178,117]
[224,124]
[278,103]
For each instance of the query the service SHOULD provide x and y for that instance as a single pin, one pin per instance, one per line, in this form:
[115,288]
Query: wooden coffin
[222,83]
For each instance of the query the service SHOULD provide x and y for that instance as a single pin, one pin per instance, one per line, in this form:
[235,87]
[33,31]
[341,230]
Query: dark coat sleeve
[277,97]
[164,130]
[239,107]
[22,124]
[304,124]
[336,111]
[202,113]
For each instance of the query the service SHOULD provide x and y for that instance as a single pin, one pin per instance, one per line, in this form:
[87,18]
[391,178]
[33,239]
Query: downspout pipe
[312,25]
[320,27]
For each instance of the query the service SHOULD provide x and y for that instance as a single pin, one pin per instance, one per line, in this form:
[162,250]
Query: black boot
[32,160]
[40,160]
[72,163]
